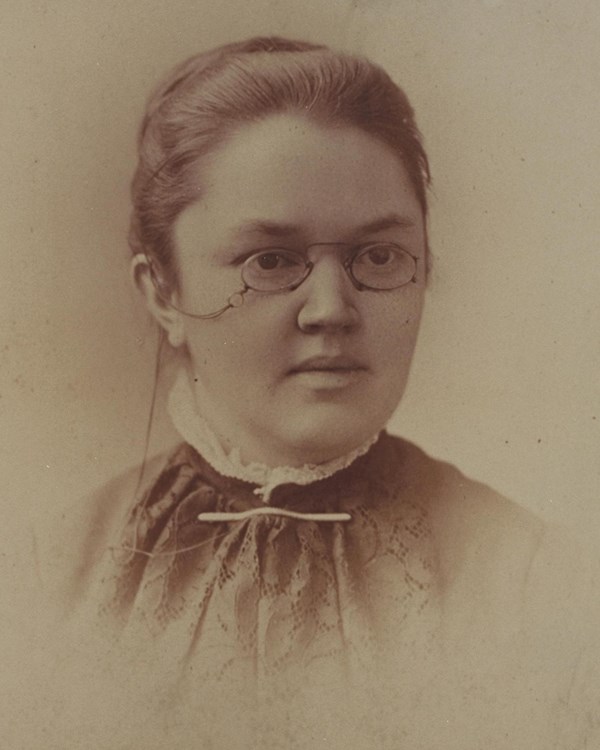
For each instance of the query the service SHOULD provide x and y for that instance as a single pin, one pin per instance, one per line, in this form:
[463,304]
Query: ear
[159,298]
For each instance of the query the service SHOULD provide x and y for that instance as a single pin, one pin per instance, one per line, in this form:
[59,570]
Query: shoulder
[70,544]
[518,606]
[457,504]
[484,543]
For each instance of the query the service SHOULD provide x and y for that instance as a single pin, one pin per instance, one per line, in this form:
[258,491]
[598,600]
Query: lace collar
[194,429]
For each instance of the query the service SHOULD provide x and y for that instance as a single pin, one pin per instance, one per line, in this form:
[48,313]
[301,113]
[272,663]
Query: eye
[272,260]
[273,269]
[378,255]
[383,265]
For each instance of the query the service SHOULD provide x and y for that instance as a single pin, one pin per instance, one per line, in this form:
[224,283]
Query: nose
[329,301]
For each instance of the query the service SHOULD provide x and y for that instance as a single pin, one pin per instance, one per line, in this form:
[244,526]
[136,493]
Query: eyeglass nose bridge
[346,265]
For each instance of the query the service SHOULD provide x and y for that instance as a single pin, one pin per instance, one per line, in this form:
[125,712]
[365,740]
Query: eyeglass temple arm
[235,300]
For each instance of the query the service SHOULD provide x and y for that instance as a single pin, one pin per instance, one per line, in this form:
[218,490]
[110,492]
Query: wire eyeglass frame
[237,298]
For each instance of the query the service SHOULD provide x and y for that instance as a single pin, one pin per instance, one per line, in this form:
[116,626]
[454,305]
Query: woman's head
[212,95]
[307,151]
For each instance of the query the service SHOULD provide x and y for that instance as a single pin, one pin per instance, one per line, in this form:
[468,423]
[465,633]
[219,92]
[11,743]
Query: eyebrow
[270,228]
[282,230]
[390,221]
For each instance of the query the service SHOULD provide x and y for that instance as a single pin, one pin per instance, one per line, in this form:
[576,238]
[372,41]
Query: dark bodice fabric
[273,591]
[432,619]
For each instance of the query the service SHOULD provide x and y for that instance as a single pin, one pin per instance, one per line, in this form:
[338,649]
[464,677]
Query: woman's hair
[210,96]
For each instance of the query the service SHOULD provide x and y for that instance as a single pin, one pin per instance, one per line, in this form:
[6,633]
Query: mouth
[329,373]
[338,364]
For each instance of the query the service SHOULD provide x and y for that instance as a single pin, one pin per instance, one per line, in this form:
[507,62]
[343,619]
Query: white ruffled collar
[194,429]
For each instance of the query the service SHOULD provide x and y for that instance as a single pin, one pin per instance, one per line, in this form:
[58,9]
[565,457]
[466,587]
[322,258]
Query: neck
[255,446]
[229,460]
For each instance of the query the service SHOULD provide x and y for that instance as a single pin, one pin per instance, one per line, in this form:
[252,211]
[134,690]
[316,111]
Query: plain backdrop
[505,381]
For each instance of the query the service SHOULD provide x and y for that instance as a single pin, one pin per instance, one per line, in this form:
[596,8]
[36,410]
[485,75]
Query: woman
[289,546]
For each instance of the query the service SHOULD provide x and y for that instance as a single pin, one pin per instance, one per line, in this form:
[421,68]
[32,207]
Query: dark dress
[432,618]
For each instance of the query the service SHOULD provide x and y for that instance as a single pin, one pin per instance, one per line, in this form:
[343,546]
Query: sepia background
[505,381]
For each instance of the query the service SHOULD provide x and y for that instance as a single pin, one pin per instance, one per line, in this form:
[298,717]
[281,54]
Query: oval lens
[272,269]
[383,265]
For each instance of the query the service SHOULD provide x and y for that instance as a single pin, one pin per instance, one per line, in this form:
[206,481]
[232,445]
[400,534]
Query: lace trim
[195,430]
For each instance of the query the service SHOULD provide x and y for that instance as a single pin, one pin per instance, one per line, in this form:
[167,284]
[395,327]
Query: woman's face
[300,376]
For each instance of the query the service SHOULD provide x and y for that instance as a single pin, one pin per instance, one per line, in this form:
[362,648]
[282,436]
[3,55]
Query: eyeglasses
[375,266]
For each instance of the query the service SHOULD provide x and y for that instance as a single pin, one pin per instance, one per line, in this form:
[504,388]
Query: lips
[338,363]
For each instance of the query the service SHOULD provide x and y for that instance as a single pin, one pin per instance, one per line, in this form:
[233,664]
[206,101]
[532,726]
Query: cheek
[245,345]
[393,330]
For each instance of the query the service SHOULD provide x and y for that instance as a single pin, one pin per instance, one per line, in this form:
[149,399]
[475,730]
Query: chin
[323,440]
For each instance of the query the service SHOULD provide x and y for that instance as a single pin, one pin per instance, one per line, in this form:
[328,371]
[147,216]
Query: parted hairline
[213,94]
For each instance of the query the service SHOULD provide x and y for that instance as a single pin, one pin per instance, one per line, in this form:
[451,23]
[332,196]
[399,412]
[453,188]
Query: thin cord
[170,553]
[161,339]
[159,347]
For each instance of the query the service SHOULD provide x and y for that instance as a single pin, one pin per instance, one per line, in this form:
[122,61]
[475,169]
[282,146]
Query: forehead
[291,171]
